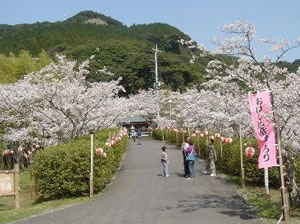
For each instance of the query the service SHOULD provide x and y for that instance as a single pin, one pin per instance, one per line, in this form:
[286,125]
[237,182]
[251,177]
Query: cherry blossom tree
[145,104]
[248,74]
[57,104]
[207,109]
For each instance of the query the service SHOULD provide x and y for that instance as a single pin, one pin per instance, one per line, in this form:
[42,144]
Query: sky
[200,19]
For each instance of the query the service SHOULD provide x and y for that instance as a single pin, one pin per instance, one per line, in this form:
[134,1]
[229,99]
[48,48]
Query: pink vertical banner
[260,107]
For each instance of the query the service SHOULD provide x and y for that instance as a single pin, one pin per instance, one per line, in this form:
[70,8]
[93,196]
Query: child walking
[165,161]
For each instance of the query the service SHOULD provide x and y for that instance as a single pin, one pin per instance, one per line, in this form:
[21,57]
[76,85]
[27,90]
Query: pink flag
[260,106]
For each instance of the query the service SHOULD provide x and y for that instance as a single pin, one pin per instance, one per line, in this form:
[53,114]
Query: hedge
[63,170]
[230,164]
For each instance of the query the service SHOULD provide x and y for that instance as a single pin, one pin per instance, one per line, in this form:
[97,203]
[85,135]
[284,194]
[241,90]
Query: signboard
[9,184]
[6,183]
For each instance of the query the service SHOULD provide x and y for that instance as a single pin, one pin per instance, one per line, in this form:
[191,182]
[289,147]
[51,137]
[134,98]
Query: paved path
[140,195]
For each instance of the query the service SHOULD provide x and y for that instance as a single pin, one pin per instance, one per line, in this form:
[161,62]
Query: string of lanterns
[111,142]
[249,151]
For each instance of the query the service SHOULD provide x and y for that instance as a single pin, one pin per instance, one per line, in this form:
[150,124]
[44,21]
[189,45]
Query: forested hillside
[124,51]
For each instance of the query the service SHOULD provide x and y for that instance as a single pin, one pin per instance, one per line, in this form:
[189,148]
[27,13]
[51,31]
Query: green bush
[230,162]
[63,170]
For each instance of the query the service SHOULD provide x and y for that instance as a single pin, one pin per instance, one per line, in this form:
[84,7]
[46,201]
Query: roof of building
[133,119]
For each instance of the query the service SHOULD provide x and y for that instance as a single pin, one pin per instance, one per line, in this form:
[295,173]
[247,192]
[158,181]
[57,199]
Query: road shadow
[230,206]
[179,174]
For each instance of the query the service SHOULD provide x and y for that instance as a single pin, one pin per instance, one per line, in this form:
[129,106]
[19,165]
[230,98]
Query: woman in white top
[184,146]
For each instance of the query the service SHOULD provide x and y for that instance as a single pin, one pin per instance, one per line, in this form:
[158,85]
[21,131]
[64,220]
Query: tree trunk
[293,189]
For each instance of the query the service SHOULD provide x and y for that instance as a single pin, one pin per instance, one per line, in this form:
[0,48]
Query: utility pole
[157,83]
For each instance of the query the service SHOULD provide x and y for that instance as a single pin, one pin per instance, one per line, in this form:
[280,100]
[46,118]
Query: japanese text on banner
[260,106]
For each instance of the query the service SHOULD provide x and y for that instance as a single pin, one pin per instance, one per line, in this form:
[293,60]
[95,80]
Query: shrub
[63,170]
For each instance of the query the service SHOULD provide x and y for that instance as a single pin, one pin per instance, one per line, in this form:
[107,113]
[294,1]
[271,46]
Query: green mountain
[124,51]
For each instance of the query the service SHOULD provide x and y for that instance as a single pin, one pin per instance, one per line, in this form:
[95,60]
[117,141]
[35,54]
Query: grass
[28,203]
[268,207]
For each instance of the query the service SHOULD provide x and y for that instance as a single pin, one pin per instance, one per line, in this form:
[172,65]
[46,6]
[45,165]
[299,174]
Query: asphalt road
[141,195]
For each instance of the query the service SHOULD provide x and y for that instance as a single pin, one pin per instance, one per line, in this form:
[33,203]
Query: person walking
[133,134]
[165,161]
[212,157]
[139,136]
[184,146]
[190,155]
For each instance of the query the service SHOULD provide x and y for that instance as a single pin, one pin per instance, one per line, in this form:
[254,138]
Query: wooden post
[284,197]
[242,162]
[32,189]
[92,167]
[31,185]
[17,186]
[167,135]
[198,136]
[207,141]
[284,194]
[221,149]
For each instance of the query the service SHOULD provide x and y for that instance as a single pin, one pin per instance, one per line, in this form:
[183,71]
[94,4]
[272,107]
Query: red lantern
[228,141]
[223,139]
[193,135]
[211,137]
[197,131]
[108,144]
[217,135]
[206,133]
[201,135]
[99,151]
[249,152]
